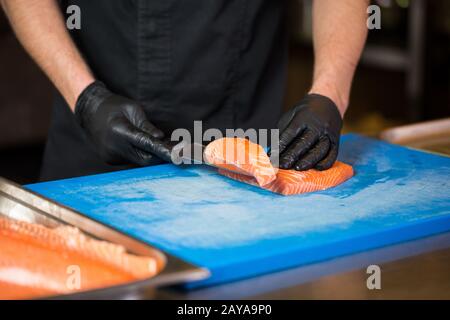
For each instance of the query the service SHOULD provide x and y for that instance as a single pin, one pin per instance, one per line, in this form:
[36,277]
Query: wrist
[325,108]
[89,100]
[75,88]
[329,90]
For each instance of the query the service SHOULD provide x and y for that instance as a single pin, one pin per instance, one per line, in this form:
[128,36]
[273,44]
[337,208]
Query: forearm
[40,27]
[339,34]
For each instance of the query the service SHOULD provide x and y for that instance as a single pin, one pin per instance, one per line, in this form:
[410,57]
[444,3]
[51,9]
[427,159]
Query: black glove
[309,134]
[119,127]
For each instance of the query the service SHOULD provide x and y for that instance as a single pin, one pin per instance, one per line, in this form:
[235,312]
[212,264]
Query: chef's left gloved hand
[309,134]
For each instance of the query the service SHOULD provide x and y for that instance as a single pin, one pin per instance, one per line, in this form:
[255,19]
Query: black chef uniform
[219,61]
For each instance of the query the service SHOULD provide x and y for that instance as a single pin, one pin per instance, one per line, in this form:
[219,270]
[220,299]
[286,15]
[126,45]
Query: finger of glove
[300,146]
[149,128]
[329,160]
[146,142]
[140,157]
[136,115]
[288,136]
[315,155]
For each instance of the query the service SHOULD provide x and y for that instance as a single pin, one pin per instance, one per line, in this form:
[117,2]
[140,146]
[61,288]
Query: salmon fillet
[290,182]
[245,161]
[37,261]
[242,156]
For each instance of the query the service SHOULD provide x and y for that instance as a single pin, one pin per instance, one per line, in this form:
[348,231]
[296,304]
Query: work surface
[237,230]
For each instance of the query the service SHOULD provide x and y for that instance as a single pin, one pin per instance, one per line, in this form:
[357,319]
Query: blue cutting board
[237,230]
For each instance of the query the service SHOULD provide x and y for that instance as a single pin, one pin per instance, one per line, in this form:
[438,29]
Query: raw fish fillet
[37,261]
[290,182]
[245,161]
[243,156]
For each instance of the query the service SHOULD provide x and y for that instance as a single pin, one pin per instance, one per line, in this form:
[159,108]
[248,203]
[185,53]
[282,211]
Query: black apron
[219,61]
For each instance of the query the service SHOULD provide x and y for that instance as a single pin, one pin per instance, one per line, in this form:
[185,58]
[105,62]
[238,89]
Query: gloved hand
[119,127]
[309,134]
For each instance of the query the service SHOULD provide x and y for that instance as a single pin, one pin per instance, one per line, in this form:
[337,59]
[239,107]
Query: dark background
[413,46]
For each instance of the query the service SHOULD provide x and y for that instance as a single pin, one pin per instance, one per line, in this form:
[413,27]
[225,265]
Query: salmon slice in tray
[37,261]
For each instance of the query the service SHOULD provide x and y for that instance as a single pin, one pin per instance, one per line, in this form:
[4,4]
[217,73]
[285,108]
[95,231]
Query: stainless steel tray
[19,203]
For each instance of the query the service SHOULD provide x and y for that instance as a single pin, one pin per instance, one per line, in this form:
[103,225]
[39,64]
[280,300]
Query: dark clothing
[219,61]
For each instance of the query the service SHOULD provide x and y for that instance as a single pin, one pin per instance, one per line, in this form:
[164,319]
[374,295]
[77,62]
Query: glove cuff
[89,100]
[309,99]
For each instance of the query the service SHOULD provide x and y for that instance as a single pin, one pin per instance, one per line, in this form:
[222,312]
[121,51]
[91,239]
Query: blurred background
[403,78]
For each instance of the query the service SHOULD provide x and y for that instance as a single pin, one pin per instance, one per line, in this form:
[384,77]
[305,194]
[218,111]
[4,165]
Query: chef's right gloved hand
[119,127]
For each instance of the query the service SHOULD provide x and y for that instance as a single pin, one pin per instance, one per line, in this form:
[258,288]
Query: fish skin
[242,156]
[245,161]
[34,261]
[291,182]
